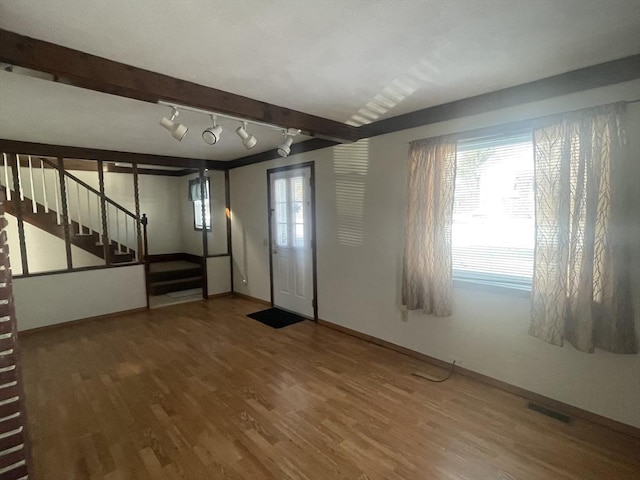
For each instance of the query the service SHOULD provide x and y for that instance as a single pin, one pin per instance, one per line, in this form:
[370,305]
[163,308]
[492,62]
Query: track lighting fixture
[284,149]
[249,141]
[178,131]
[211,135]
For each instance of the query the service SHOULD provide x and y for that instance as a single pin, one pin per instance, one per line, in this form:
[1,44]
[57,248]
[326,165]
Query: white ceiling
[327,58]
[42,111]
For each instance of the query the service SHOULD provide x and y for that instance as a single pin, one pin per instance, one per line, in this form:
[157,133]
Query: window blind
[493,230]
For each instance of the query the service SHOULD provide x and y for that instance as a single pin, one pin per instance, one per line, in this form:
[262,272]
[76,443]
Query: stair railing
[121,222]
[88,205]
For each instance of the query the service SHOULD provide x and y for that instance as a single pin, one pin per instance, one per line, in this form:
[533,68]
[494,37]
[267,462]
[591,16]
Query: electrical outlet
[404,315]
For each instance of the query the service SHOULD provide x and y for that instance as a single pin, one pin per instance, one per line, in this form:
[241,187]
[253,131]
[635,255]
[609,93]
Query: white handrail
[34,205]
[6,176]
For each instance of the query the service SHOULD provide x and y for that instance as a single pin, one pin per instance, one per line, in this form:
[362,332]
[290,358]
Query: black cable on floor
[436,380]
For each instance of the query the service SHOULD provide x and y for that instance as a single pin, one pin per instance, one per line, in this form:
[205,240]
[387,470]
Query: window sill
[478,285]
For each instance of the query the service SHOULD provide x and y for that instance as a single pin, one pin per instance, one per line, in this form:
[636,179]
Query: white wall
[360,265]
[159,199]
[218,275]
[77,295]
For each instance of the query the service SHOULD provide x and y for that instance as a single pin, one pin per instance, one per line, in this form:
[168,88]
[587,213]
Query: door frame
[312,199]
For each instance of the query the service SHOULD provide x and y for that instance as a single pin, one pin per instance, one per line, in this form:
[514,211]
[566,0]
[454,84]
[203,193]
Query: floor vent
[550,413]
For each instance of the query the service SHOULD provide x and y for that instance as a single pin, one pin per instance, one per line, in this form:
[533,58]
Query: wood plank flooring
[199,391]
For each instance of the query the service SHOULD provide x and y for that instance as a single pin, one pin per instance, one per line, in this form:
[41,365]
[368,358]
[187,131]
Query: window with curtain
[493,228]
[547,211]
[582,288]
[196,197]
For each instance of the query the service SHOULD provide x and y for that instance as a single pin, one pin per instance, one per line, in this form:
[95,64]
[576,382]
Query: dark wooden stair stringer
[89,240]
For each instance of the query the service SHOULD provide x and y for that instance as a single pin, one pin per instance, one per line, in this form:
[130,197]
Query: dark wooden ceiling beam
[47,150]
[92,166]
[103,75]
[601,75]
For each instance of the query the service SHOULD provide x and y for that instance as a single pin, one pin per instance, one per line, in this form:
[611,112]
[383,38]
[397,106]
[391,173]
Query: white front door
[291,254]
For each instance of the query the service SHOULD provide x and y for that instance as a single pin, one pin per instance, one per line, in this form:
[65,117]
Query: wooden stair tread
[176,281]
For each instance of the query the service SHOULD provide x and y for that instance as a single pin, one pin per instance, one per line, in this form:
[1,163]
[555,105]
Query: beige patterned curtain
[581,283]
[426,280]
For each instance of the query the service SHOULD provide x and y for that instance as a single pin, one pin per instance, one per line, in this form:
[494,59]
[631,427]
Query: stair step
[166,286]
[168,275]
[119,257]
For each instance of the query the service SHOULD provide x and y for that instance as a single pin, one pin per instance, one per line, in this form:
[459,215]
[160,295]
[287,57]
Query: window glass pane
[299,239]
[282,235]
[281,213]
[298,209]
[493,231]
[281,190]
[197,213]
[297,190]
[298,193]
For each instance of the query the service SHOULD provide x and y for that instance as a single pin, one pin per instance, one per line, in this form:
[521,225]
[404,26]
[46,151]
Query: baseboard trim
[31,331]
[536,398]
[253,299]
[219,295]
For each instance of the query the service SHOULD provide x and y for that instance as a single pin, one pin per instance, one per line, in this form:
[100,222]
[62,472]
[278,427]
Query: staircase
[174,276]
[82,237]
[40,191]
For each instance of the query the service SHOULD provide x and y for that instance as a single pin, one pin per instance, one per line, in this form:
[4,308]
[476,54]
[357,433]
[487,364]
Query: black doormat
[276,318]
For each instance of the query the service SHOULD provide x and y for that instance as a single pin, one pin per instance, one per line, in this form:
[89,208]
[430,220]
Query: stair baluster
[126,234]
[64,197]
[117,231]
[44,187]
[19,177]
[15,173]
[6,177]
[89,217]
[57,196]
[78,210]
[34,205]
[67,202]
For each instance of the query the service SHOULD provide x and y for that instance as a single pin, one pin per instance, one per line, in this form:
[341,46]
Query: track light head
[249,141]
[211,135]
[284,149]
[178,131]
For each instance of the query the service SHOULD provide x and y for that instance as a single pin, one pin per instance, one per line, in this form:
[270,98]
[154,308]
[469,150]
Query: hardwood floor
[199,391]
